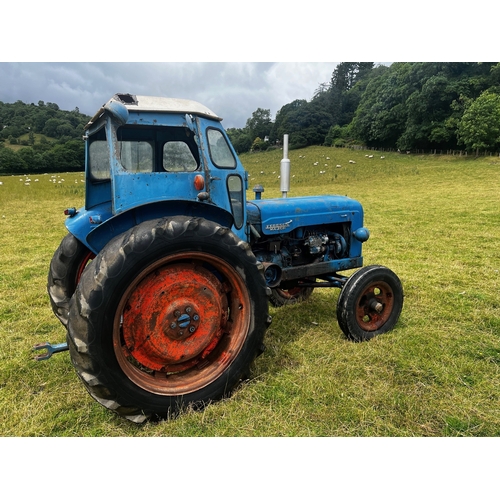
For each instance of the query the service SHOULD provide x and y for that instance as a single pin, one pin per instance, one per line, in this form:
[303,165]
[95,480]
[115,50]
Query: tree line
[45,138]
[406,106]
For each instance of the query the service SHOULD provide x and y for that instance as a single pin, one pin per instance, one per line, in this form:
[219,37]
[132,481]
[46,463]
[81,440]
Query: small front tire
[370,303]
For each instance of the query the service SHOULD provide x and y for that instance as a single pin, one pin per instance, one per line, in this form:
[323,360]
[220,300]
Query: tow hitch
[50,348]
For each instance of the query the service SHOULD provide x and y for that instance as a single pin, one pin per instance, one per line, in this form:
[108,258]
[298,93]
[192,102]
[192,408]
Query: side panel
[282,215]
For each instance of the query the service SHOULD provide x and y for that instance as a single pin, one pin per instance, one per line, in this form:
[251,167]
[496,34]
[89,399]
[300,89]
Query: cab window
[136,156]
[219,149]
[99,160]
[235,189]
[177,157]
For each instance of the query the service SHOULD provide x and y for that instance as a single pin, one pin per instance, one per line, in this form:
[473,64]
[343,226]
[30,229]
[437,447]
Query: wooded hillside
[40,138]
[405,106]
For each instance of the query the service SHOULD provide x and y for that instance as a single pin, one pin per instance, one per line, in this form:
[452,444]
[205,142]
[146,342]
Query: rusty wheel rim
[181,323]
[374,306]
[83,264]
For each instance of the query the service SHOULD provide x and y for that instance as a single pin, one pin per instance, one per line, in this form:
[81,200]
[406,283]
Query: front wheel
[370,303]
[170,314]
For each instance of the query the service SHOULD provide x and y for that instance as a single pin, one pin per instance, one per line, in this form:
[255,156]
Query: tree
[51,127]
[480,124]
[240,139]
[260,123]
[344,93]
[381,115]
[32,160]
[11,163]
[306,123]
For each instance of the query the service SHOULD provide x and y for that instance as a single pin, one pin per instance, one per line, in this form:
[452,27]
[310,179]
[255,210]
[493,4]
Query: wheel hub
[181,325]
[174,318]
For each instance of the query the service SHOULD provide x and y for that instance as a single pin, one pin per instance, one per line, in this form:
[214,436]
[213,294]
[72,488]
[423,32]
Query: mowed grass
[434,220]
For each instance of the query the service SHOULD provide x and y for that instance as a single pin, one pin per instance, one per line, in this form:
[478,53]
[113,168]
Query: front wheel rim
[374,306]
[180,323]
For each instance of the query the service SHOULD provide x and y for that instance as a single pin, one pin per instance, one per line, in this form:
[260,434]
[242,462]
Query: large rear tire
[66,268]
[170,314]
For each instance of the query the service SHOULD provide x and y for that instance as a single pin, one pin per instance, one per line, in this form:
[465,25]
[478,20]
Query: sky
[232,90]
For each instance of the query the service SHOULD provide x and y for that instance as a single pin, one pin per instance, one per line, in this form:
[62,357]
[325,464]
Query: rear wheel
[370,303]
[170,314]
[66,268]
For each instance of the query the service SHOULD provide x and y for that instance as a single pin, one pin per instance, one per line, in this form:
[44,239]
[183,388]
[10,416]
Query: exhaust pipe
[285,169]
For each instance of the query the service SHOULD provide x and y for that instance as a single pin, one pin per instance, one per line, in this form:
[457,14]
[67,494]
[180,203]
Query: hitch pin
[50,348]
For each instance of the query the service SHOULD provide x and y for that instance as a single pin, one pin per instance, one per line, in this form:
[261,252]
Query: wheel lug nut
[192,329]
[173,325]
[196,317]
[188,310]
[177,314]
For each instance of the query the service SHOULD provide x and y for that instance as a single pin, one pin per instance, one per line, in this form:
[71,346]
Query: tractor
[165,276]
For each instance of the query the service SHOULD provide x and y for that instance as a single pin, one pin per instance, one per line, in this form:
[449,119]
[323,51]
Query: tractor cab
[161,156]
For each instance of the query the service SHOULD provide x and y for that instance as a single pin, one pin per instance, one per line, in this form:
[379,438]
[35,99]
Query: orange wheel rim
[181,323]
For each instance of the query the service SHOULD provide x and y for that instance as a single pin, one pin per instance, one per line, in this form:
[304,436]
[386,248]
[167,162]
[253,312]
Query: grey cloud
[232,90]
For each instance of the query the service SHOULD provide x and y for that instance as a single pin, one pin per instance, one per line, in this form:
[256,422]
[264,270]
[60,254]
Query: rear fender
[96,227]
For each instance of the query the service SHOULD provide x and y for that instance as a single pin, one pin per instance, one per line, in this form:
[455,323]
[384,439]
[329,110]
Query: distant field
[25,137]
[434,220]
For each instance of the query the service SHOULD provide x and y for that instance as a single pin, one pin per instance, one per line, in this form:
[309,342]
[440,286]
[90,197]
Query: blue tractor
[165,276]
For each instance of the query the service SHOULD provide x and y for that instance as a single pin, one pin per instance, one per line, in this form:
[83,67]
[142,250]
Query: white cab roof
[164,105]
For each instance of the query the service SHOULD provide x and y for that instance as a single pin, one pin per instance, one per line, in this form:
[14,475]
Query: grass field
[434,220]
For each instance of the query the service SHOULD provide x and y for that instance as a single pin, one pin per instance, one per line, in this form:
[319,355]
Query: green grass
[434,220]
[25,137]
